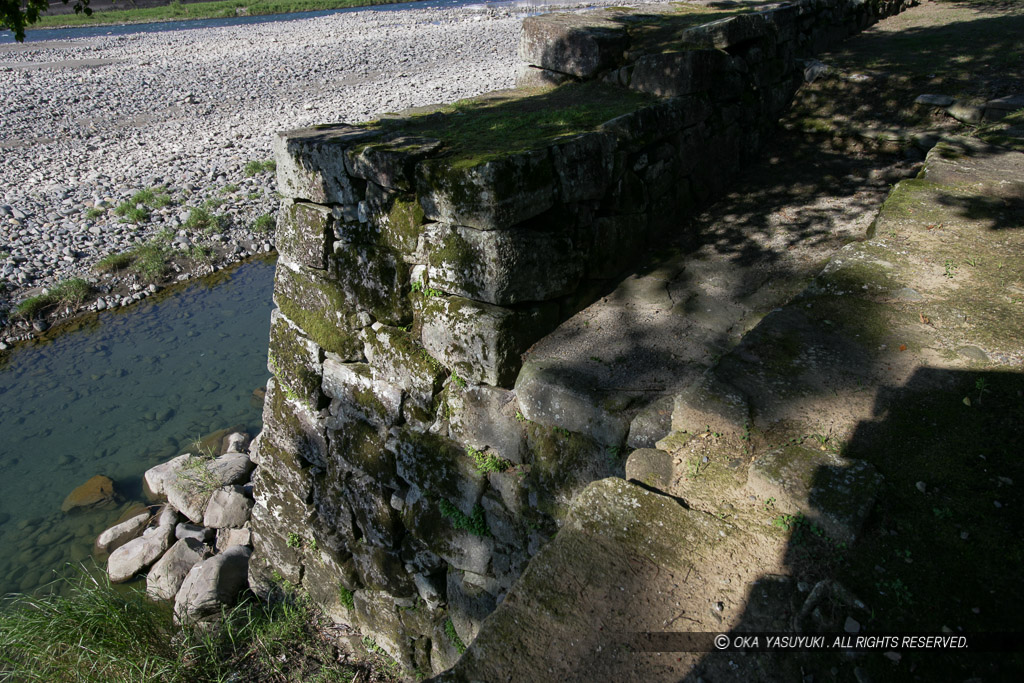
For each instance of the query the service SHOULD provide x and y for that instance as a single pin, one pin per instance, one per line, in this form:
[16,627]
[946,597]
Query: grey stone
[390,163]
[311,162]
[834,493]
[303,234]
[156,479]
[431,588]
[395,359]
[501,266]
[998,109]
[212,584]
[194,531]
[578,45]
[480,341]
[360,396]
[651,467]
[484,417]
[488,195]
[651,424]
[138,553]
[673,74]
[119,534]
[468,605]
[966,113]
[934,100]
[228,537]
[973,353]
[710,403]
[167,574]
[236,442]
[553,395]
[228,507]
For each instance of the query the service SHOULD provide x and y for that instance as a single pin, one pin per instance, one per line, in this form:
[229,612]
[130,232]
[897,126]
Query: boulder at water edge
[139,553]
[212,583]
[119,534]
[167,575]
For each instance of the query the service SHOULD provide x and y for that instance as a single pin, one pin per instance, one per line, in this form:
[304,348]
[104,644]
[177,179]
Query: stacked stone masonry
[399,481]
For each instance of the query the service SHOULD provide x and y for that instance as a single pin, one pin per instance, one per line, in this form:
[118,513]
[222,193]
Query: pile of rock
[197,545]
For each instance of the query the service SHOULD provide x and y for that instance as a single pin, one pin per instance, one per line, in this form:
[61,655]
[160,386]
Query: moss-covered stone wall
[420,256]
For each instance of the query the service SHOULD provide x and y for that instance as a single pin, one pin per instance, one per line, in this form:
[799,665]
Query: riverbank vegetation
[86,629]
[177,11]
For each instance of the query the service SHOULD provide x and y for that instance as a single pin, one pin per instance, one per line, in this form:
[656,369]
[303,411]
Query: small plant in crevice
[294,540]
[487,462]
[474,523]
[346,597]
[458,381]
[421,288]
[449,630]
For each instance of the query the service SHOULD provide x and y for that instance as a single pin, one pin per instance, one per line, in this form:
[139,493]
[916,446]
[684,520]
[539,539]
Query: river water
[130,389]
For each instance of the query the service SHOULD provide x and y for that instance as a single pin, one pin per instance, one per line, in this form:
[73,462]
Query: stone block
[468,605]
[480,341]
[295,360]
[396,359]
[293,429]
[457,546]
[304,233]
[400,219]
[501,266]
[358,396]
[574,44]
[729,32]
[360,446]
[834,493]
[311,162]
[484,417]
[650,467]
[583,166]
[710,403]
[673,74]
[382,570]
[389,163]
[555,396]
[534,77]
[651,424]
[377,521]
[320,307]
[614,245]
[437,466]
[372,279]
[377,616]
[492,193]
[324,578]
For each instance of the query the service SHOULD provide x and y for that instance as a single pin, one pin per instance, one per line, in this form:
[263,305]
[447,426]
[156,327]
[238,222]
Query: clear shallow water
[123,394]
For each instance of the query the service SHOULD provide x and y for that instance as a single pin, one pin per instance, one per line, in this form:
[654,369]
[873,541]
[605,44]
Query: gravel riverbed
[88,123]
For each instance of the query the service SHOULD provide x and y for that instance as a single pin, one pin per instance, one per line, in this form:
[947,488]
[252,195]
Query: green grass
[136,209]
[88,630]
[113,262]
[263,224]
[254,167]
[201,219]
[449,630]
[95,212]
[68,293]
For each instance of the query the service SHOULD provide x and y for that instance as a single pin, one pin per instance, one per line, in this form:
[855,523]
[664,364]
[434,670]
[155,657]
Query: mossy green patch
[319,307]
[404,224]
[476,130]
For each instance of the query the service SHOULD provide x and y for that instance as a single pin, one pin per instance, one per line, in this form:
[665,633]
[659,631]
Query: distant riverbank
[106,13]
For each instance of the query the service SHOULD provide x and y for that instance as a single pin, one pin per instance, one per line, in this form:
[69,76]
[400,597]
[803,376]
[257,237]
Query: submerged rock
[96,492]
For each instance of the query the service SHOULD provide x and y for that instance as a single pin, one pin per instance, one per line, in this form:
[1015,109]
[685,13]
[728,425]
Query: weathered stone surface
[359,396]
[396,359]
[650,467]
[293,430]
[295,360]
[320,308]
[165,577]
[97,492]
[578,45]
[710,403]
[212,584]
[834,493]
[583,166]
[489,194]
[966,113]
[376,613]
[459,547]
[390,163]
[437,466]
[1000,108]
[501,266]
[228,537]
[311,162]
[381,569]
[139,553]
[615,242]
[236,442]
[228,507]
[658,121]
[193,531]
[651,424]
[304,234]
[360,446]
[468,605]
[611,526]
[728,32]
[372,280]
[119,534]
[480,341]
[534,77]
[330,582]
[378,523]
[934,100]
[197,478]
[553,395]
[156,479]
[484,417]
[673,74]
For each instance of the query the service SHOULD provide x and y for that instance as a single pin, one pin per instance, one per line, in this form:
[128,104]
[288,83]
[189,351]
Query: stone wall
[399,479]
